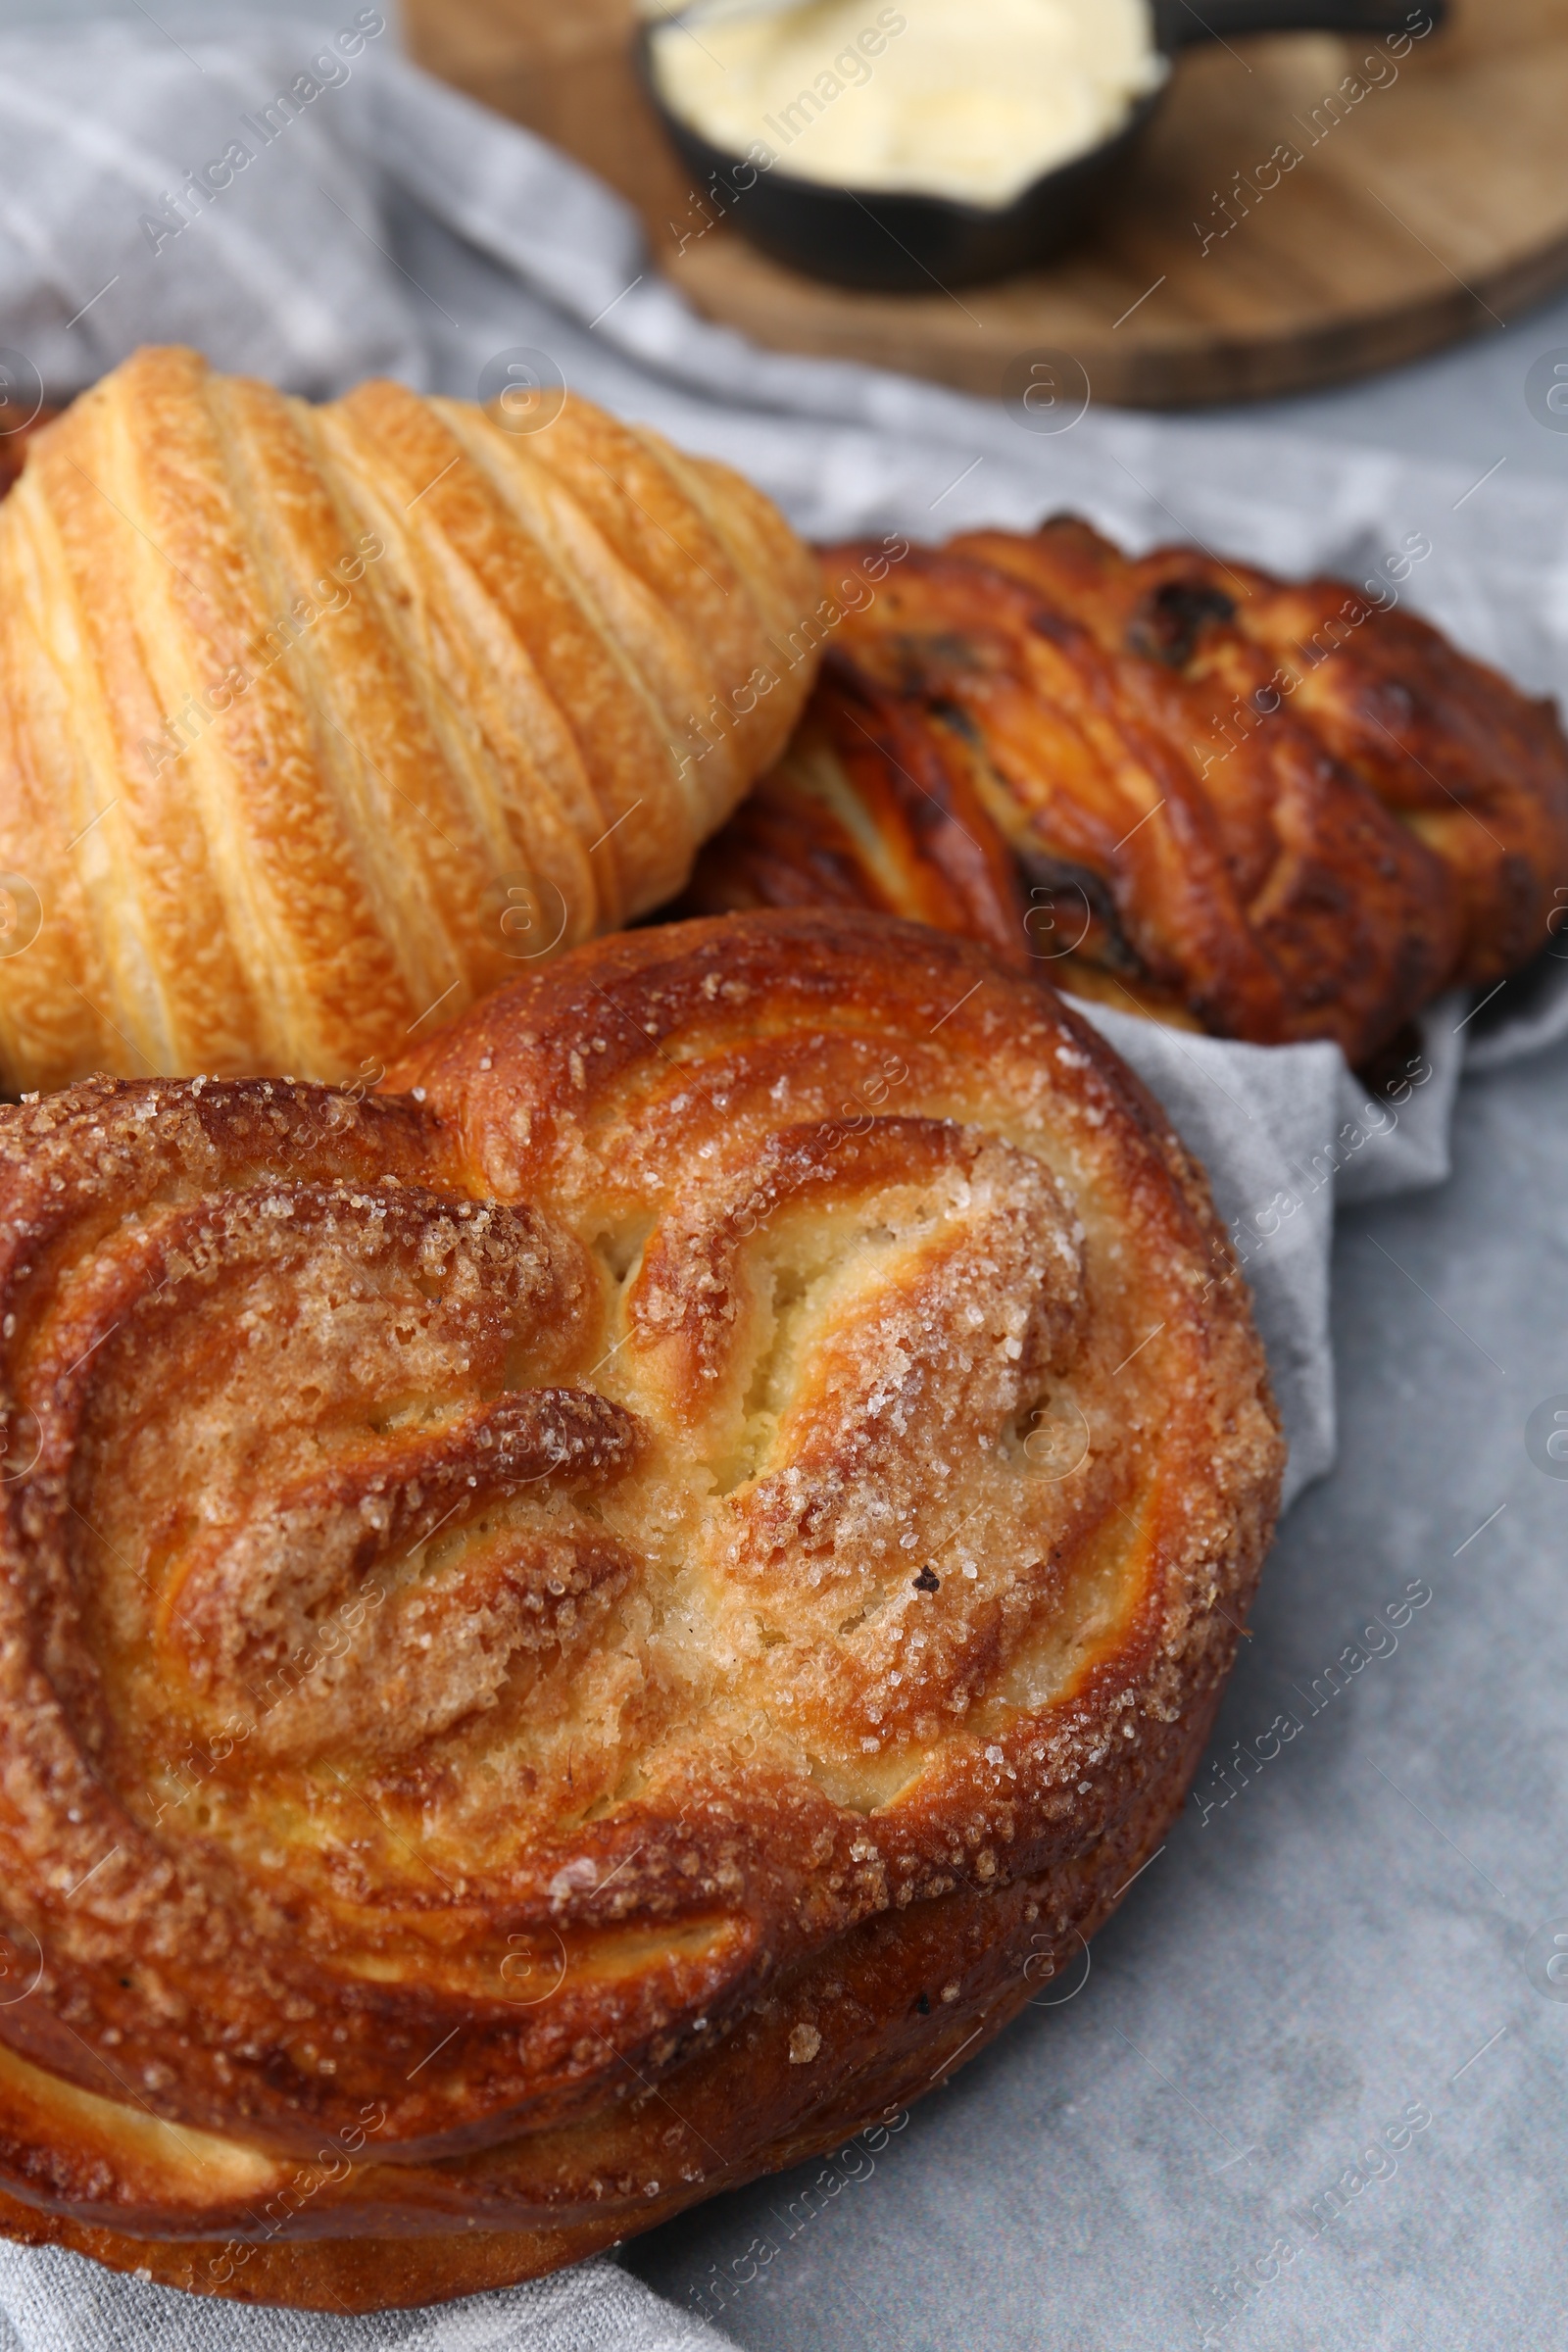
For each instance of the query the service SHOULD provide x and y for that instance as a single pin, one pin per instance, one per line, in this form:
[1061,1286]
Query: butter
[965,98]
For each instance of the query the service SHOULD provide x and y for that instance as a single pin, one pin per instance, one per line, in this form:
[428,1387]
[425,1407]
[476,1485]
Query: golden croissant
[314,720]
[1264,809]
[582,1629]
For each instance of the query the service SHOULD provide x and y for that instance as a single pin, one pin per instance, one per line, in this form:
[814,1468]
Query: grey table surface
[1313,2091]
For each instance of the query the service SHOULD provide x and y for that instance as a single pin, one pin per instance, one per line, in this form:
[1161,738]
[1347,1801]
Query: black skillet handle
[1181,23]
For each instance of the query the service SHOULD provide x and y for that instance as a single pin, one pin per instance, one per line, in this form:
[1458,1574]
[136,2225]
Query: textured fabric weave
[53,2302]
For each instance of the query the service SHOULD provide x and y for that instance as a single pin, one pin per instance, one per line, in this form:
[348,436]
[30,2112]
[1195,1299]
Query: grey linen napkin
[304,204]
[54,2302]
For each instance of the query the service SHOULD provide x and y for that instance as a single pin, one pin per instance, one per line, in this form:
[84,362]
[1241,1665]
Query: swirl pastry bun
[1270,810]
[582,1628]
[315,722]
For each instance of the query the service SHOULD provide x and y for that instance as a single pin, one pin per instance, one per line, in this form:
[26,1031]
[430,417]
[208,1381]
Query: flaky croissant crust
[316,722]
[580,1628]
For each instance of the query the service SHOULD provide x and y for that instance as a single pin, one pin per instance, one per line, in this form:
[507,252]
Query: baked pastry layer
[316,722]
[581,1628]
[1271,811]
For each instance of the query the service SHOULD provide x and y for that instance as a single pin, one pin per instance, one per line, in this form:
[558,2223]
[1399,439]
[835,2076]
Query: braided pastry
[1271,811]
[579,1630]
[313,721]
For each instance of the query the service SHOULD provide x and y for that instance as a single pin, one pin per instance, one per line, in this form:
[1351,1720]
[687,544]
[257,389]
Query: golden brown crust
[13,445]
[578,1630]
[1475,770]
[865,811]
[313,721]
[1273,811]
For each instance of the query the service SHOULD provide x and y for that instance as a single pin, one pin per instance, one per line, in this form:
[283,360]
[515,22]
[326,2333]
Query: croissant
[315,721]
[1270,811]
[15,439]
[583,1627]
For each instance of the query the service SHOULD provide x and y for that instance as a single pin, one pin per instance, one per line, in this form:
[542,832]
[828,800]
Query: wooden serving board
[1433,207]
